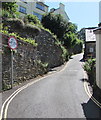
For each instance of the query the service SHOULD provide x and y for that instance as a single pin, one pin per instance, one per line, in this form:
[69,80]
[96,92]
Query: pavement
[58,95]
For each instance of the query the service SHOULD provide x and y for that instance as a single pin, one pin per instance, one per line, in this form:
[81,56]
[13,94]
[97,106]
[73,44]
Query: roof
[91,28]
[97,30]
[43,4]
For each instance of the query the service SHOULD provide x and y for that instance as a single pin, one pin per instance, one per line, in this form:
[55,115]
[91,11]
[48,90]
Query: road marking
[89,93]
[14,94]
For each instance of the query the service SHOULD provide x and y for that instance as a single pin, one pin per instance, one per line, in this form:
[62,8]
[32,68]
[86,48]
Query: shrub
[9,10]
[10,6]
[65,54]
[32,19]
[78,46]
[6,14]
[18,26]
[43,66]
[90,68]
[28,40]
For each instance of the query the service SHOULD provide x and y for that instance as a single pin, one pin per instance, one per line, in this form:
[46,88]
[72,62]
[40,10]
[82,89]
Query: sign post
[12,43]
[11,68]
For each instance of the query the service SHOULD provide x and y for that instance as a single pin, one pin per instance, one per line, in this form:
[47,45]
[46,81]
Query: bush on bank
[90,68]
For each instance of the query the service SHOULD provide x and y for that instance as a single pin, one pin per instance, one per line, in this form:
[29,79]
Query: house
[90,43]
[35,8]
[97,32]
[60,10]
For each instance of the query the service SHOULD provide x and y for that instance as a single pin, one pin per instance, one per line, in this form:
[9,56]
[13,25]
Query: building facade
[60,10]
[90,43]
[98,55]
[35,8]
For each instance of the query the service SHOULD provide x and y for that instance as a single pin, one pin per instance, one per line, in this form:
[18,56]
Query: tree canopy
[9,6]
[55,23]
[9,10]
[65,31]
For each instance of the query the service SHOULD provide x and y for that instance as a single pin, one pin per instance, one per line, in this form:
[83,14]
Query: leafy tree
[69,39]
[72,27]
[9,6]
[9,9]
[73,44]
[81,34]
[55,23]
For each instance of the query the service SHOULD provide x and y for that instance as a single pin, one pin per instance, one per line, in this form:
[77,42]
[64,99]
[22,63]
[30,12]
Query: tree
[81,34]
[72,27]
[66,32]
[9,6]
[73,44]
[55,23]
[10,9]
[69,39]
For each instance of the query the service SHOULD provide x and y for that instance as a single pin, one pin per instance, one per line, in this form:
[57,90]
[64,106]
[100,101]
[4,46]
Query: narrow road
[60,95]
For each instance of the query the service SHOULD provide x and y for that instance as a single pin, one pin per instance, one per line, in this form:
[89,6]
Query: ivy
[28,40]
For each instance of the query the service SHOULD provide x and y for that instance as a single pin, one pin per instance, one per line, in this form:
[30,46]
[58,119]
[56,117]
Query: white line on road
[5,105]
[89,93]
[4,109]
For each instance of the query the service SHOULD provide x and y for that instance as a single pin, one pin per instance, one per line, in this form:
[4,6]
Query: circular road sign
[12,43]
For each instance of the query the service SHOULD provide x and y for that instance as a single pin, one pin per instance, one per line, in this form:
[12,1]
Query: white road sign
[12,42]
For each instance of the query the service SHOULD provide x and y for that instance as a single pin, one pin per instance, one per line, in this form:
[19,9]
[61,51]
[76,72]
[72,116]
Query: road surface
[60,95]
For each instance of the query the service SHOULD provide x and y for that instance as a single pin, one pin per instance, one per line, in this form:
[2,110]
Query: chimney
[62,6]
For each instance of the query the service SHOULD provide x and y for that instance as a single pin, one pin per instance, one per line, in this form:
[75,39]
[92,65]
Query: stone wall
[47,49]
[26,58]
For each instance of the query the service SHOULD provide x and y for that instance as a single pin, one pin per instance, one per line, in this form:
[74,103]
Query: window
[91,50]
[22,9]
[38,15]
[39,6]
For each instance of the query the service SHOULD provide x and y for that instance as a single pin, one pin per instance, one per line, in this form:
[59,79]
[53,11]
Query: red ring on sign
[16,43]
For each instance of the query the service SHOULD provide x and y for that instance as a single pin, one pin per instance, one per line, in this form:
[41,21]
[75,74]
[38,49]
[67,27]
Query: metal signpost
[12,43]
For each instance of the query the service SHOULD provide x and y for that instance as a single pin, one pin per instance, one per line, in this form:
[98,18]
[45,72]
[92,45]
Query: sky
[83,14]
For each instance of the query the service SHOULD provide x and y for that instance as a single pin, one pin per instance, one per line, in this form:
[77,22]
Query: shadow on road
[91,110]
[82,60]
[84,79]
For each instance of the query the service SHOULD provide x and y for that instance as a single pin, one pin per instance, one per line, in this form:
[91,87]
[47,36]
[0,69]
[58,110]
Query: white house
[60,10]
[97,32]
[35,8]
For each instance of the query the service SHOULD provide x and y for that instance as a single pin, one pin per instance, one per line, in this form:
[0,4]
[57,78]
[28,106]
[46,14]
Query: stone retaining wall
[26,58]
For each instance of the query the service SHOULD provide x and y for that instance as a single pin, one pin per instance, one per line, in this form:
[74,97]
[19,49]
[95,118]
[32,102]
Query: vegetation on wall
[32,19]
[5,32]
[17,25]
[61,30]
[66,32]
[9,10]
[90,68]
